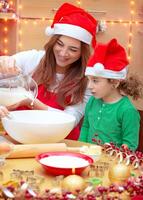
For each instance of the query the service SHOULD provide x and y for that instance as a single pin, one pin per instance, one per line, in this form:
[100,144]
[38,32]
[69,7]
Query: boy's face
[100,87]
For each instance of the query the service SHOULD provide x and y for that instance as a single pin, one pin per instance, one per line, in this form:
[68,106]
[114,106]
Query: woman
[59,70]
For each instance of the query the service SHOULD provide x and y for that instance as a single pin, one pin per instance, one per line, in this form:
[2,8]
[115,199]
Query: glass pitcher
[17,88]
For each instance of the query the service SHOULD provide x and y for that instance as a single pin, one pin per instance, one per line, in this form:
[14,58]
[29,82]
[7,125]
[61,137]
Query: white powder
[14,95]
[64,161]
[91,150]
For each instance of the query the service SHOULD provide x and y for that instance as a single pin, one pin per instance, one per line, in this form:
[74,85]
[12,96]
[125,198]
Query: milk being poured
[11,96]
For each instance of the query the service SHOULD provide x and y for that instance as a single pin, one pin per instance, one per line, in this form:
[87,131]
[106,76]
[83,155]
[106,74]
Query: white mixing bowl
[38,126]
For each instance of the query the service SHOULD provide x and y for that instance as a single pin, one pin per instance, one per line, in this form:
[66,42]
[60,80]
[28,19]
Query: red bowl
[67,168]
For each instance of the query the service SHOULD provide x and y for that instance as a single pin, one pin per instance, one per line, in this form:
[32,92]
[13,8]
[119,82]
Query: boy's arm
[85,127]
[130,127]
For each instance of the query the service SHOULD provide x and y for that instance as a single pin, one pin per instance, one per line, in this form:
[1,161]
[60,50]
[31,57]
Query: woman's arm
[78,109]
[7,67]
[28,60]
[35,105]
[25,62]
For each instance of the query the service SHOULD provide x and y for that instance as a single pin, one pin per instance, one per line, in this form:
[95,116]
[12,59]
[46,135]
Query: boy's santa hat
[74,22]
[108,61]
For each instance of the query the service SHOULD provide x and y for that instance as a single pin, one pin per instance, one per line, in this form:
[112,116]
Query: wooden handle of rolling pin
[31,150]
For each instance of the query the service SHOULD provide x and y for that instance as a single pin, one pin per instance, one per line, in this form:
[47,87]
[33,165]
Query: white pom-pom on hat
[49,31]
[98,67]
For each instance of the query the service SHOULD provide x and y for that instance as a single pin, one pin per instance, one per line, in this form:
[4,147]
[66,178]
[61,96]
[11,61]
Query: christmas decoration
[124,154]
[1,53]
[22,190]
[135,159]
[101,26]
[119,172]
[5,6]
[141,15]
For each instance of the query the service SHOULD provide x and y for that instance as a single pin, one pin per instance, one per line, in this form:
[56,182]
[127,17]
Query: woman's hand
[35,105]
[7,66]
[38,105]
[25,102]
[3,111]
[13,107]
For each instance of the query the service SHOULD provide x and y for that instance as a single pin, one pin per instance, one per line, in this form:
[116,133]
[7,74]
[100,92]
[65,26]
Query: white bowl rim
[13,120]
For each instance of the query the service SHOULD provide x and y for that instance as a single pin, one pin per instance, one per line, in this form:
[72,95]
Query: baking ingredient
[64,161]
[91,150]
[73,183]
[4,148]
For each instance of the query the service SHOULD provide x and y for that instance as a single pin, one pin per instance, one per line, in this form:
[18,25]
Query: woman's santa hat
[74,22]
[108,61]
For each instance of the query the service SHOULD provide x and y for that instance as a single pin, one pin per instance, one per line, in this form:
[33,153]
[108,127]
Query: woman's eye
[59,43]
[73,50]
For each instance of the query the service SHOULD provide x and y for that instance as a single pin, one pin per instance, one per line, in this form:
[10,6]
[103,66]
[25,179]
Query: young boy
[110,116]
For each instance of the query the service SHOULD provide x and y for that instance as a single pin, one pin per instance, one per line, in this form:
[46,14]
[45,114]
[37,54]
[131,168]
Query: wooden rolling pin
[31,150]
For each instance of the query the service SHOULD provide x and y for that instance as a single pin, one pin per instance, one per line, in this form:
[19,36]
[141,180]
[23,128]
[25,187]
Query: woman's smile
[65,53]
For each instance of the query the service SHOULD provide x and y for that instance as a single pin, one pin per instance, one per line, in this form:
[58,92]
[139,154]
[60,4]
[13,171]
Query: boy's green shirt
[116,122]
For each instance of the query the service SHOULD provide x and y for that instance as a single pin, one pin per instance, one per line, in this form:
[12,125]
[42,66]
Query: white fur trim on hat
[49,31]
[73,31]
[99,70]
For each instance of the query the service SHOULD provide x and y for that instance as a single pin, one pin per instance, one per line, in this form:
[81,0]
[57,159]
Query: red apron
[49,98]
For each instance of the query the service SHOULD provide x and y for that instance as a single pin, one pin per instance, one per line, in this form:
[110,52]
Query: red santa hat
[108,61]
[74,22]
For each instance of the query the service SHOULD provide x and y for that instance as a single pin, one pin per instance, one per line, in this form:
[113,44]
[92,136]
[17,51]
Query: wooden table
[32,164]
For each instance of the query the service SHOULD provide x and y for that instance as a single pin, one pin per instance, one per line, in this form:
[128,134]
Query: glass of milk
[17,88]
